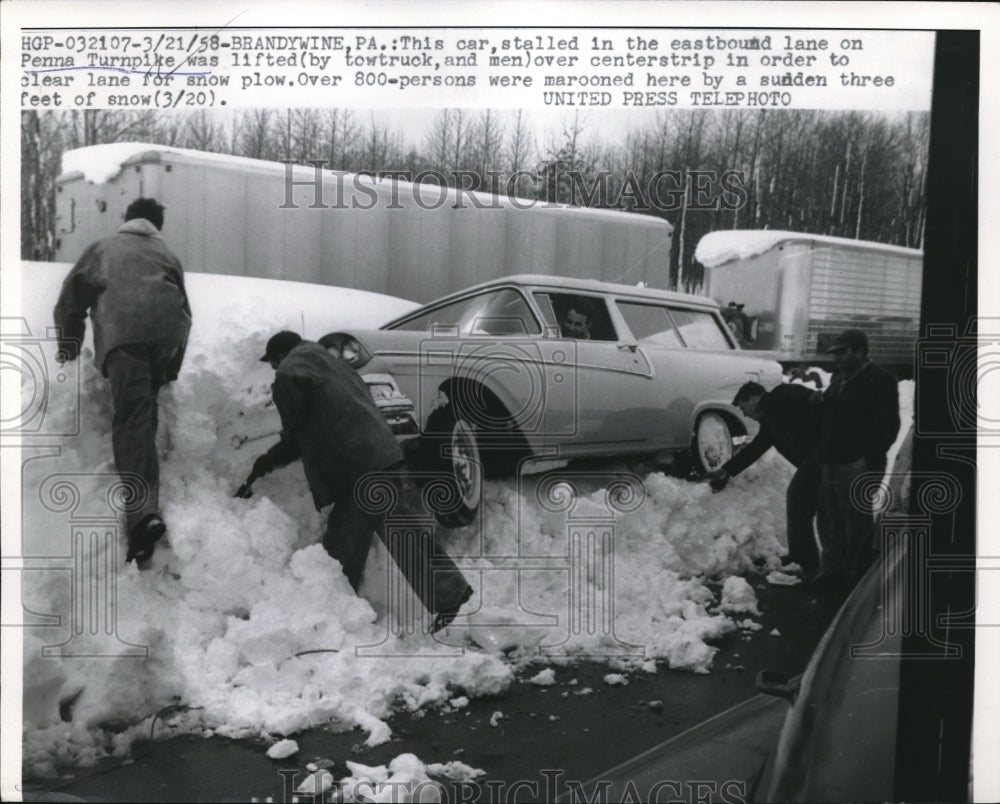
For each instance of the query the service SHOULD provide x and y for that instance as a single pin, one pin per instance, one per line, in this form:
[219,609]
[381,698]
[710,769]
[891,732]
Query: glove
[718,479]
[261,467]
[245,491]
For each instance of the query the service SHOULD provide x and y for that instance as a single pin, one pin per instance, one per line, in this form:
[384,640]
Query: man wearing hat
[860,424]
[133,288]
[329,420]
[790,423]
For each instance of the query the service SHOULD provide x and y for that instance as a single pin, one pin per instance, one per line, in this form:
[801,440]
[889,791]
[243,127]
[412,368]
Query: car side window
[650,324]
[576,315]
[700,329]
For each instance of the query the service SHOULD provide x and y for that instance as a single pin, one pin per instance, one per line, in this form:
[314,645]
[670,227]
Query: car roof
[571,284]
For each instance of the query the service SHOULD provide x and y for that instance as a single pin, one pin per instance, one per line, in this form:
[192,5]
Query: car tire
[454,450]
[712,445]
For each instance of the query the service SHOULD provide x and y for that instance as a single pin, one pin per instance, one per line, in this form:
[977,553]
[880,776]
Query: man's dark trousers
[431,573]
[136,373]
[801,503]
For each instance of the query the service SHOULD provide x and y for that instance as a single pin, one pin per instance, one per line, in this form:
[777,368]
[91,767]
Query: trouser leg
[830,519]
[801,503]
[844,522]
[407,531]
[133,427]
[862,530]
[348,538]
[409,536]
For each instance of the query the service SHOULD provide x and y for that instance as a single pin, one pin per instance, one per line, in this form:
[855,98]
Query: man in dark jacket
[329,420]
[860,424]
[133,287]
[790,423]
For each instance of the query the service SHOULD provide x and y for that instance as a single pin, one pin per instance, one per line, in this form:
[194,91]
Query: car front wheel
[455,451]
[713,442]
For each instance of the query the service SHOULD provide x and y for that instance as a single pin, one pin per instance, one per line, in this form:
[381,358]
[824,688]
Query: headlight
[350,351]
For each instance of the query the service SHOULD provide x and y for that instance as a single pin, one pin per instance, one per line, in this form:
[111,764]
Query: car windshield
[493,313]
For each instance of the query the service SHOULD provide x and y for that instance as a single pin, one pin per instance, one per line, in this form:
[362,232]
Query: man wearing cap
[133,288]
[329,420]
[860,423]
[790,423]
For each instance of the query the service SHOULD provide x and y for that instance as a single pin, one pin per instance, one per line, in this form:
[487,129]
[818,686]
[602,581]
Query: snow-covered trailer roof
[719,248]
[101,163]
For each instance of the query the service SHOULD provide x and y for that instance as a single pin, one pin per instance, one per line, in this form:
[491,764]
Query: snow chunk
[495,718]
[545,678]
[738,596]
[459,703]
[378,730]
[404,780]
[616,679]
[283,749]
[456,771]
[369,773]
[778,578]
[775,632]
[316,783]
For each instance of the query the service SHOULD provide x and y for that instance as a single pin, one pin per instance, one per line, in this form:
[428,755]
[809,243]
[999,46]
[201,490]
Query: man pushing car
[329,420]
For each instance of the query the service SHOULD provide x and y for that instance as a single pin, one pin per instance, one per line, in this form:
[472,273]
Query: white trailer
[797,291]
[232,215]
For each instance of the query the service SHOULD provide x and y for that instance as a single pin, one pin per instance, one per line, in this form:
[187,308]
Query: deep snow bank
[229,621]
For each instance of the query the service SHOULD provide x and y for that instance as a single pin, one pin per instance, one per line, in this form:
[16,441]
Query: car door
[610,377]
[694,363]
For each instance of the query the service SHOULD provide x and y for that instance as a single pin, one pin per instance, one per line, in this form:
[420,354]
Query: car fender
[737,423]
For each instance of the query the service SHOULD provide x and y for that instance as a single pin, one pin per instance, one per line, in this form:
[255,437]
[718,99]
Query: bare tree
[256,134]
[341,138]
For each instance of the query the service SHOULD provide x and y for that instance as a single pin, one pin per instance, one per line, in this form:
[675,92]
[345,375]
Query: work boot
[445,617]
[143,539]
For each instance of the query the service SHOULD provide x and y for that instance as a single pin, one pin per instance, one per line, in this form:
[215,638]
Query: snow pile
[246,627]
[717,248]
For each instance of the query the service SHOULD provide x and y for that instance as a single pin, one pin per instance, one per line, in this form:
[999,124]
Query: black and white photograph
[582,401]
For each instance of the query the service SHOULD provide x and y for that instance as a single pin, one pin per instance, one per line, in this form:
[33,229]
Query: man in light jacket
[133,288]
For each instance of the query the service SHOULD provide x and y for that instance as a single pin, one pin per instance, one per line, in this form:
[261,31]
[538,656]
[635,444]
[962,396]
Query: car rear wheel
[713,442]
[455,451]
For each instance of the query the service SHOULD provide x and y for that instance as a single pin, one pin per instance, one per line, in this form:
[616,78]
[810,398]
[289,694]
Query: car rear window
[699,329]
[650,324]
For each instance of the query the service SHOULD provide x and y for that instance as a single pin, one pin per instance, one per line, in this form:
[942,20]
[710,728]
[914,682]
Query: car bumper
[398,410]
